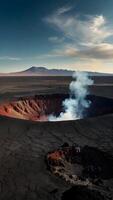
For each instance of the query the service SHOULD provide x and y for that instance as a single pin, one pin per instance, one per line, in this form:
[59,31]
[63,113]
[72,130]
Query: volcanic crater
[80,165]
[39,107]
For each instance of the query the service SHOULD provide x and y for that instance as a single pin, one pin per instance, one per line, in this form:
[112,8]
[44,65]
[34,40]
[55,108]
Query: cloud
[101,51]
[90,30]
[63,10]
[10,58]
[87,35]
[56,39]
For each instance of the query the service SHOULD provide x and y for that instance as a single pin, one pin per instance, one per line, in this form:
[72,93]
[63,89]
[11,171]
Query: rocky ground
[24,145]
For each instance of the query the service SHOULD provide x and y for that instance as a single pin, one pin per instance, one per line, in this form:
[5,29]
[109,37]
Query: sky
[67,34]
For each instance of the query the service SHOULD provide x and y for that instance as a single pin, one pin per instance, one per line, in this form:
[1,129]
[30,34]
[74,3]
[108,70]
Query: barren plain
[24,145]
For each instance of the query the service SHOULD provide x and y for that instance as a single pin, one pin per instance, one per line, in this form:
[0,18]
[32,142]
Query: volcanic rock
[80,165]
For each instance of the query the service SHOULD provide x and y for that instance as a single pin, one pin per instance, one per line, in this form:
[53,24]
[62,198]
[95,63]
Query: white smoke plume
[76,104]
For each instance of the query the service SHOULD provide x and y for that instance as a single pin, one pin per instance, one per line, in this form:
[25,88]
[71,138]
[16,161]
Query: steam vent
[39,107]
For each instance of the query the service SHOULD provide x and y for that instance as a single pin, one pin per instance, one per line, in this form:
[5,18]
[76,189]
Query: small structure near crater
[80,165]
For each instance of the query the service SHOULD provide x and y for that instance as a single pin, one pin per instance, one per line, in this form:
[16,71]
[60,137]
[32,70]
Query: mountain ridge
[44,71]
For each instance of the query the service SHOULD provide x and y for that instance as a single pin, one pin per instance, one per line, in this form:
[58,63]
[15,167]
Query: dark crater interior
[80,193]
[38,107]
[96,163]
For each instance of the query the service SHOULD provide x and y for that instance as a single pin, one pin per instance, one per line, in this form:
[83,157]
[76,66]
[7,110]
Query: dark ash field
[24,144]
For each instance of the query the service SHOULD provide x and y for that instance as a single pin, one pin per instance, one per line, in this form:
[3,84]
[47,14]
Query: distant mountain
[43,71]
[47,72]
[99,74]
[35,70]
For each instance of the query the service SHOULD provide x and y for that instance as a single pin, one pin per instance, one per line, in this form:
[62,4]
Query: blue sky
[69,34]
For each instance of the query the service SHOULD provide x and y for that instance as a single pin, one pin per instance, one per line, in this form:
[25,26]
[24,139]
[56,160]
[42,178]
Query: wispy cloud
[56,40]
[91,30]
[101,51]
[88,35]
[62,10]
[10,58]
